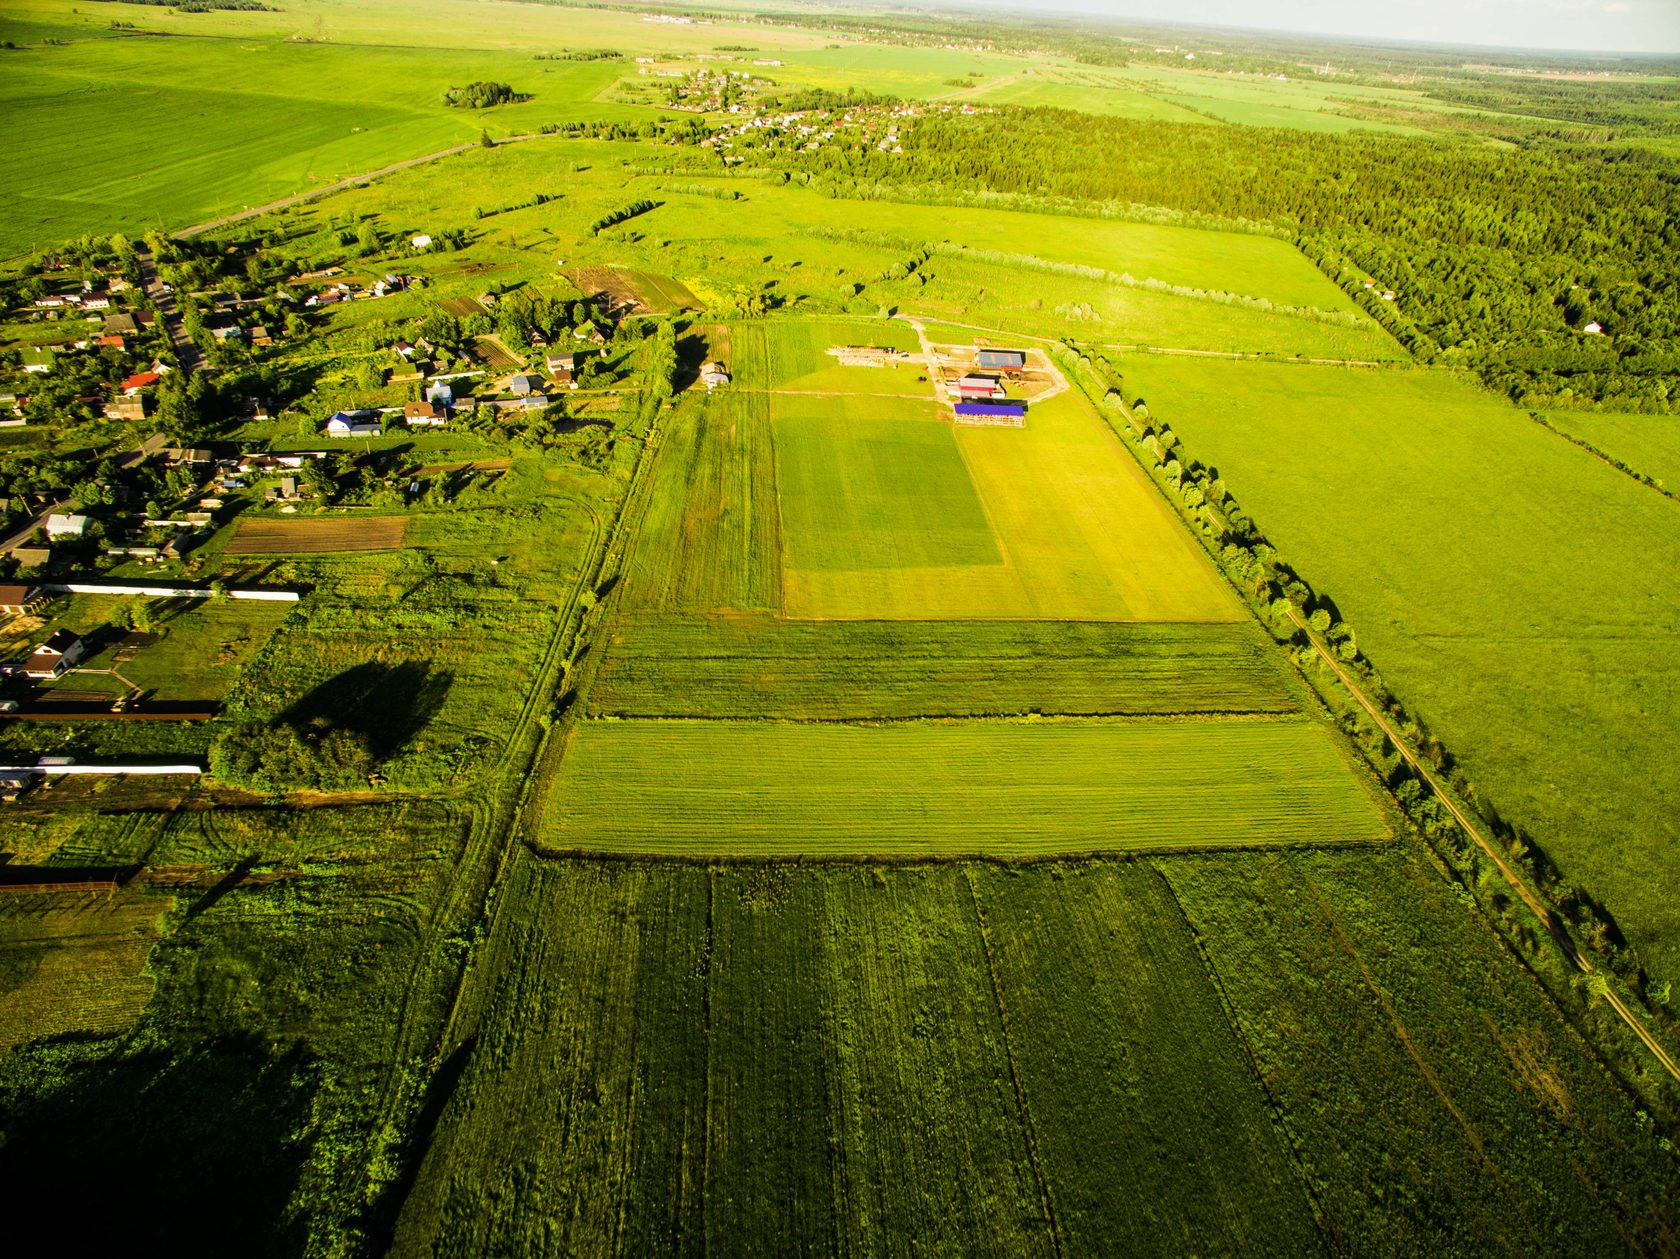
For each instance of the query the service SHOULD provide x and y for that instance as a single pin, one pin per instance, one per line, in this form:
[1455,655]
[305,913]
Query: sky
[1631,26]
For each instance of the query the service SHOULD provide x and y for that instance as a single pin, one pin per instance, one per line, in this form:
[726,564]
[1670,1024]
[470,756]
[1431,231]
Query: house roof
[142,380]
[59,641]
[14,594]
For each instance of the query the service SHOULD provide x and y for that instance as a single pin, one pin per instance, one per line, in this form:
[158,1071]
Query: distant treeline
[203,6]
[623,213]
[1501,259]
[482,95]
[585,54]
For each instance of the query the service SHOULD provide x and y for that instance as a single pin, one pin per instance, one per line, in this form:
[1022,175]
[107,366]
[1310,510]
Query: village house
[424,415]
[63,525]
[127,407]
[561,363]
[38,360]
[441,392]
[18,599]
[522,386]
[51,658]
[713,374]
[140,380]
[353,424]
[120,326]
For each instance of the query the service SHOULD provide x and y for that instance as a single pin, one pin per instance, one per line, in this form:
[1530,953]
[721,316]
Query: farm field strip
[762,666]
[958,789]
[339,533]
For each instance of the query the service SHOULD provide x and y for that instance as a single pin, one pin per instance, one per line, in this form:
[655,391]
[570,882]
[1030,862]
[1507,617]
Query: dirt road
[340,186]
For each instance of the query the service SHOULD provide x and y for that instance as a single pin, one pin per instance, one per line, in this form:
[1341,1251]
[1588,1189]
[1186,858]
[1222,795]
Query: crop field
[337,533]
[71,963]
[674,1057]
[1070,513]
[636,291]
[1529,622]
[1649,444]
[760,789]
[763,666]
[495,355]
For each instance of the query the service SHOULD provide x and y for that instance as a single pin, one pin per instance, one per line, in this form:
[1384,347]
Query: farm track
[252,212]
[1555,926]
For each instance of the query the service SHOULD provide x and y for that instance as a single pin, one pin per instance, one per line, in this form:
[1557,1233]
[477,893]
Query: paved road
[186,353]
[340,186]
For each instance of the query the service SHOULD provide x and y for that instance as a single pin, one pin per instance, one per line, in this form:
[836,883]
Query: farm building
[66,526]
[975,385]
[18,599]
[713,374]
[523,385]
[61,650]
[1002,360]
[1010,414]
[353,424]
[422,241]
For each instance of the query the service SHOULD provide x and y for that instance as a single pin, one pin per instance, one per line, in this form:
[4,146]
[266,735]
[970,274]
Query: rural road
[21,534]
[186,353]
[340,186]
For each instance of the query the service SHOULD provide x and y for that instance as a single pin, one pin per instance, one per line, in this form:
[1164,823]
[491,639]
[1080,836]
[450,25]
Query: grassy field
[1525,617]
[73,963]
[676,1057]
[763,666]
[1649,444]
[1072,517]
[756,789]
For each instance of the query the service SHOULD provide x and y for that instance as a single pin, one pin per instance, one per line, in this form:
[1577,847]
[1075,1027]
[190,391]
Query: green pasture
[799,357]
[862,492]
[1088,89]
[741,665]
[1649,444]
[1510,587]
[914,790]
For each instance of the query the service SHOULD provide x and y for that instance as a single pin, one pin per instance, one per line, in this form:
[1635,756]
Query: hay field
[960,789]
[1080,532]
[330,534]
[756,665]
[1516,591]
[1649,444]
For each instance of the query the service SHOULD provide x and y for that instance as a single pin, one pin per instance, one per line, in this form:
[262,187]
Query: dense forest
[1549,269]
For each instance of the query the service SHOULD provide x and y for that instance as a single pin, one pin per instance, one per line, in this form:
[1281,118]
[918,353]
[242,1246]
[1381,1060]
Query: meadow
[1648,444]
[961,789]
[744,665]
[1069,1058]
[1510,587]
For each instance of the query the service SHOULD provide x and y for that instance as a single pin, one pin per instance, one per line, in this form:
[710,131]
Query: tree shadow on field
[192,1153]
[384,703]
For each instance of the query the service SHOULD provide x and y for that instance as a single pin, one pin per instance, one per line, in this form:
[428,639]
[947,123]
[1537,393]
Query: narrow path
[253,211]
[1515,881]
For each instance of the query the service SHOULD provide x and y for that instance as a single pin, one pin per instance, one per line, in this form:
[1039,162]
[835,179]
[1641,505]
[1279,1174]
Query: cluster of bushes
[278,756]
[482,94]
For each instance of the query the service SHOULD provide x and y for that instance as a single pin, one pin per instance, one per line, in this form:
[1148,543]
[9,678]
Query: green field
[1524,616]
[755,789]
[1649,444]
[762,666]
[675,1058]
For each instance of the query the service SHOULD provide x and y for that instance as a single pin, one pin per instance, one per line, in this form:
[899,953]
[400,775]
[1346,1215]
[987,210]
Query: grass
[1342,973]
[73,963]
[960,1058]
[757,789]
[860,493]
[1081,533]
[1649,444]
[799,358]
[1521,616]
[761,666]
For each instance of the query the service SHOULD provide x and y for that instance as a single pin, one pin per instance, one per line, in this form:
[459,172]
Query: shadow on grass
[384,703]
